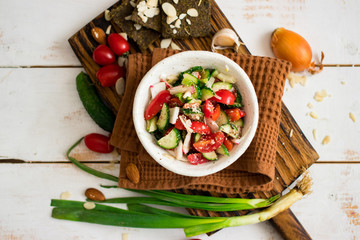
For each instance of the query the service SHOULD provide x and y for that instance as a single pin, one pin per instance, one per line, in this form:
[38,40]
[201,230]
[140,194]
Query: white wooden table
[41,116]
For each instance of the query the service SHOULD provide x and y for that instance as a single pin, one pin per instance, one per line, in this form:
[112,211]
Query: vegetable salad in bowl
[196,115]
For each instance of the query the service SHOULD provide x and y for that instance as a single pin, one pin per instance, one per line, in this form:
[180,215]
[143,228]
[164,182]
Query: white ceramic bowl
[179,63]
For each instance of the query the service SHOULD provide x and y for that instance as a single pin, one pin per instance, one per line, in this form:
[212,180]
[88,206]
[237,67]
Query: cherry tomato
[224,96]
[98,143]
[103,55]
[179,125]
[210,142]
[118,44]
[208,108]
[200,127]
[156,104]
[216,113]
[175,102]
[234,114]
[196,158]
[228,144]
[108,75]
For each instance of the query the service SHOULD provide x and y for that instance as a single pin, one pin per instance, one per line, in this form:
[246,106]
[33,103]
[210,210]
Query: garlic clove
[225,38]
[120,86]
[169,9]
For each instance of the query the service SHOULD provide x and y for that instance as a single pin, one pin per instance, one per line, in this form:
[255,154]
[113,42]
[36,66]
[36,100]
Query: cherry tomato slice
[156,104]
[196,158]
[224,96]
[109,74]
[98,143]
[208,108]
[210,142]
[175,102]
[216,113]
[179,125]
[234,114]
[200,127]
[228,144]
[118,44]
[103,55]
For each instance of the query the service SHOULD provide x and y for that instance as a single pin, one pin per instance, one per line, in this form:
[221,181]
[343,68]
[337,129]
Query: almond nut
[192,12]
[178,23]
[94,194]
[132,173]
[165,43]
[169,9]
[169,20]
[99,35]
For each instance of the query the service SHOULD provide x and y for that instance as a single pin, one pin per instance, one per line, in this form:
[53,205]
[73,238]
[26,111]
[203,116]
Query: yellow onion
[292,47]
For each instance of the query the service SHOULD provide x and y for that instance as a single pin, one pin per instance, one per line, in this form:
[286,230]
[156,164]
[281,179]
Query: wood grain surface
[294,152]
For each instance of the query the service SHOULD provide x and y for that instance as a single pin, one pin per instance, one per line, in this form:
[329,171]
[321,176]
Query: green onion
[109,186]
[86,168]
[148,200]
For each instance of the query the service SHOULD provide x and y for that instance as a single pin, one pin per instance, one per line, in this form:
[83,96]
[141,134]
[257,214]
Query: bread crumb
[343,82]
[65,195]
[314,132]
[352,117]
[309,105]
[314,115]
[295,78]
[89,205]
[291,133]
[125,236]
[319,96]
[326,140]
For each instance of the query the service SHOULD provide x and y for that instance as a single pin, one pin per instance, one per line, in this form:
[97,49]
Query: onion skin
[292,47]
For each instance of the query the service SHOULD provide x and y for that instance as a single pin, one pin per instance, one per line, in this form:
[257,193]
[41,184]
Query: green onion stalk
[142,216]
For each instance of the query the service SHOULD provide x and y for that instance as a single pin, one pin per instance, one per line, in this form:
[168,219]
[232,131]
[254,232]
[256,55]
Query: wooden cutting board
[294,153]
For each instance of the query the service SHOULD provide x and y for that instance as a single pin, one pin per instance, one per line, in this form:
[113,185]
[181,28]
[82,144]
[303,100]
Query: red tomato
[200,127]
[208,108]
[216,113]
[175,102]
[108,75]
[156,104]
[179,125]
[98,143]
[228,144]
[196,158]
[118,44]
[234,114]
[210,142]
[103,55]
[224,96]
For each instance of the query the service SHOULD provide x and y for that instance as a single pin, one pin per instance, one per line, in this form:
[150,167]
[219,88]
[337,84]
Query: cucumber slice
[215,73]
[226,78]
[189,79]
[197,136]
[195,95]
[223,150]
[221,85]
[171,140]
[222,119]
[206,93]
[180,97]
[210,156]
[205,76]
[230,129]
[164,117]
[239,123]
[151,124]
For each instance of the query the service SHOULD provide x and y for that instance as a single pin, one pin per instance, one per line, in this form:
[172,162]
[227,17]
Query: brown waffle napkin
[254,171]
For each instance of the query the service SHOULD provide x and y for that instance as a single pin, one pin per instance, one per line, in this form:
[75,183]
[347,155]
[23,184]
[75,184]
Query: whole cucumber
[97,110]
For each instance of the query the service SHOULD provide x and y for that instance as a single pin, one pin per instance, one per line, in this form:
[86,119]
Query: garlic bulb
[225,38]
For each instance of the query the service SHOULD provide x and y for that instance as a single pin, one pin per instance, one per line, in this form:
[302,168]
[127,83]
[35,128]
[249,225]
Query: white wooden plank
[27,212]
[42,115]
[36,32]
[333,112]
[327,26]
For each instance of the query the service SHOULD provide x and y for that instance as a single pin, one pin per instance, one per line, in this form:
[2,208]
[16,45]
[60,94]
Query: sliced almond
[188,21]
[165,43]
[65,195]
[178,23]
[326,140]
[192,12]
[182,16]
[169,9]
[132,173]
[89,205]
[143,17]
[352,117]
[120,86]
[108,30]
[125,236]
[175,46]
[314,132]
[176,1]
[174,31]
[309,105]
[172,26]
[152,3]
[314,115]
[107,15]
[128,17]
[137,26]
[151,12]
[124,35]
[169,20]
[132,3]
[319,96]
